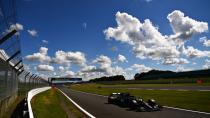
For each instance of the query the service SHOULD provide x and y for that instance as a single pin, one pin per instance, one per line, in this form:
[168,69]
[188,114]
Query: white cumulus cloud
[61,68]
[90,69]
[207,64]
[145,38]
[184,27]
[39,56]
[174,61]
[45,68]
[192,52]
[45,41]
[62,57]
[182,69]
[148,42]
[16,26]
[118,71]
[122,58]
[76,57]
[141,68]
[205,41]
[104,61]
[70,74]
[33,32]
[105,68]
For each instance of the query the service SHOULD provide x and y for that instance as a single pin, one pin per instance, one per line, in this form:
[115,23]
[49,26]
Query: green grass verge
[48,105]
[194,100]
[72,108]
[159,81]
[154,85]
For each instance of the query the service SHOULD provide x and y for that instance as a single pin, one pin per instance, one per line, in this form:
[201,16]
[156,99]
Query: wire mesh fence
[8,76]
[14,81]
[8,81]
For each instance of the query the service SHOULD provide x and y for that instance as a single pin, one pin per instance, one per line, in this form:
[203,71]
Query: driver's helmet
[151,100]
[139,99]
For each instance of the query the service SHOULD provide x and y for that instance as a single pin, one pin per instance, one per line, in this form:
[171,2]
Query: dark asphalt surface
[194,88]
[98,107]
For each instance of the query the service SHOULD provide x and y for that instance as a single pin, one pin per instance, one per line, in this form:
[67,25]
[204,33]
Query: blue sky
[79,32]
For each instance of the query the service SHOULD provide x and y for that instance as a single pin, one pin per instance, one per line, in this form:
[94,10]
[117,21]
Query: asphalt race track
[98,107]
[180,88]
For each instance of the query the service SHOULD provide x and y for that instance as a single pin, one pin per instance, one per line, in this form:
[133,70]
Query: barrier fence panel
[14,80]
[9,44]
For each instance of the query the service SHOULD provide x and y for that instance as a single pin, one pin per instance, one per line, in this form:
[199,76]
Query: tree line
[157,74]
[110,78]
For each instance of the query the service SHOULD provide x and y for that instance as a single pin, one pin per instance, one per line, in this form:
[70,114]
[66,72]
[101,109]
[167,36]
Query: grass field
[159,81]
[52,104]
[194,100]
[154,85]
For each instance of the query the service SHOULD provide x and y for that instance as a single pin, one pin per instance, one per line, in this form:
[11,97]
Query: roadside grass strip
[193,100]
[49,105]
[79,107]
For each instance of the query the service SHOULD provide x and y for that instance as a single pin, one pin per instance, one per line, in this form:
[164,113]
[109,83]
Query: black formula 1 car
[121,99]
[126,100]
[141,105]
[113,98]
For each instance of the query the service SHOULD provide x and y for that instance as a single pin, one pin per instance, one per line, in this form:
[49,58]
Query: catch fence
[14,80]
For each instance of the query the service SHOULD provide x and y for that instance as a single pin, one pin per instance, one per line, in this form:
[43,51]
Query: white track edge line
[163,106]
[187,110]
[79,107]
[167,89]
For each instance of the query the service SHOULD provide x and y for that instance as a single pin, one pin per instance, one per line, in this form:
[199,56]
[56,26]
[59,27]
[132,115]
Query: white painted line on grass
[163,89]
[182,90]
[203,90]
[187,110]
[168,89]
[163,106]
[79,107]
[135,88]
[149,89]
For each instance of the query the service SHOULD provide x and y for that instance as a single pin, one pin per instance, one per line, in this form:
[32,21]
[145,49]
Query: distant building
[63,80]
